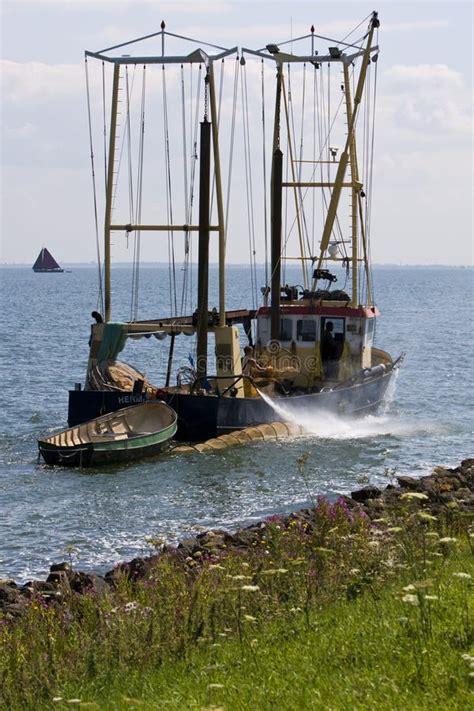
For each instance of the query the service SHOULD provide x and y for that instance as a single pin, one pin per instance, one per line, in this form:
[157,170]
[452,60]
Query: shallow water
[98,517]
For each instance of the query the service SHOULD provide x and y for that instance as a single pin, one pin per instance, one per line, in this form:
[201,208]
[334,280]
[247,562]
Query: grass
[332,613]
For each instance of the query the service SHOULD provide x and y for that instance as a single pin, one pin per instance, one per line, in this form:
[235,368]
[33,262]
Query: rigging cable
[169,205]
[100,296]
[185,192]
[370,186]
[194,156]
[138,216]
[265,187]
[104,131]
[232,136]
[249,187]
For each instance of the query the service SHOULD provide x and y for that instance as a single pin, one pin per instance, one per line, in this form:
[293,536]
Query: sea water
[100,516]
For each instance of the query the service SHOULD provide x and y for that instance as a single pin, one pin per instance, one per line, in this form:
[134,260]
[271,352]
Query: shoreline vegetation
[361,603]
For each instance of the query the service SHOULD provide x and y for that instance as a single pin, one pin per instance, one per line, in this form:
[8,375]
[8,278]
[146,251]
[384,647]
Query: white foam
[328,425]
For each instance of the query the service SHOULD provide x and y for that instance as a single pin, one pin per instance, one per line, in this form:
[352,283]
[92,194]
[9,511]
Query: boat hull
[201,417]
[124,435]
[91,454]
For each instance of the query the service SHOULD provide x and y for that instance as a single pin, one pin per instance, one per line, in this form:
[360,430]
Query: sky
[422,200]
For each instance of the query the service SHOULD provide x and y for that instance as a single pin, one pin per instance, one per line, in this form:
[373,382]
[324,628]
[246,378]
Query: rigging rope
[249,188]
[265,187]
[232,136]
[169,204]
[138,216]
[100,296]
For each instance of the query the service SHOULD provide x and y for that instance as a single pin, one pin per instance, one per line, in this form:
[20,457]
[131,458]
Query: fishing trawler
[310,346]
[46,263]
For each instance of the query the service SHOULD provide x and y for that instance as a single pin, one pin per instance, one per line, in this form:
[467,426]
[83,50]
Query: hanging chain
[206,95]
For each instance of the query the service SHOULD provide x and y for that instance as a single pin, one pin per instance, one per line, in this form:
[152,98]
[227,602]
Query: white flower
[424,516]
[410,599]
[250,588]
[216,686]
[250,618]
[414,495]
[463,576]
[447,540]
[409,588]
[431,597]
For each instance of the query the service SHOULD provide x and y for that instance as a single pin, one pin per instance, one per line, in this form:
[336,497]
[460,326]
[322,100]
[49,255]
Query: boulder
[368,492]
[408,482]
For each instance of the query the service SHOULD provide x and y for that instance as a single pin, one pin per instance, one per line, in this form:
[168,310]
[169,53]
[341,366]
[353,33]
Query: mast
[276,201]
[344,159]
[355,189]
[219,197]
[110,189]
[203,258]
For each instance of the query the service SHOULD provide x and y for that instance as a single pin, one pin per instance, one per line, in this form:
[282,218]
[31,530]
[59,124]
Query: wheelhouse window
[306,330]
[286,329]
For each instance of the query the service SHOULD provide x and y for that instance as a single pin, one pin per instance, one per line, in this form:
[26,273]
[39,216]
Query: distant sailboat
[46,262]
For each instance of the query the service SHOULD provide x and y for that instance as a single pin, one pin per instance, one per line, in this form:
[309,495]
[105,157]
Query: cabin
[302,325]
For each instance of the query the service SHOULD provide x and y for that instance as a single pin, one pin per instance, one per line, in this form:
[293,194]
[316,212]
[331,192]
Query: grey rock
[366,493]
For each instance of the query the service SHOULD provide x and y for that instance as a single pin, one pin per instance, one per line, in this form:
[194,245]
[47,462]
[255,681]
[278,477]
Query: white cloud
[36,82]
[427,100]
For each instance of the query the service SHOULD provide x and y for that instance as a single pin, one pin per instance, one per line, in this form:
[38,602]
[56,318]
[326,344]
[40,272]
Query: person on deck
[329,351]
[250,365]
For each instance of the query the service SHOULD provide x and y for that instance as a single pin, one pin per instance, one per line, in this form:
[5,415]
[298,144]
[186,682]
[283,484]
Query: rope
[137,238]
[104,126]
[249,188]
[368,221]
[185,191]
[100,296]
[169,206]
[232,136]
[265,186]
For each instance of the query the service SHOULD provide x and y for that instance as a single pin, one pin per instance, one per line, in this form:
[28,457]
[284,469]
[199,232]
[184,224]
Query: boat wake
[328,425]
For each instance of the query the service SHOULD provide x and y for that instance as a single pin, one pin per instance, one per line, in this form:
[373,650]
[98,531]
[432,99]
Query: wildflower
[250,588]
[432,534]
[410,599]
[245,565]
[250,618]
[354,571]
[409,588]
[447,540]
[466,657]
[253,642]
[57,698]
[239,577]
[215,686]
[424,516]
[414,495]
[463,576]
[130,606]
[216,566]
[395,529]
[431,597]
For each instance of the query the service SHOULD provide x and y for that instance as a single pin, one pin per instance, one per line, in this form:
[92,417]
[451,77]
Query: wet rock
[88,583]
[189,546]
[60,578]
[9,592]
[57,567]
[408,482]
[368,492]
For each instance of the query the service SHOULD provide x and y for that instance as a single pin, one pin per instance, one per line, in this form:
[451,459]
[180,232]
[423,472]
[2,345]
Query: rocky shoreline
[444,491]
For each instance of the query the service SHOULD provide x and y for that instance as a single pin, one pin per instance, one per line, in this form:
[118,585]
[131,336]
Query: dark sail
[46,262]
